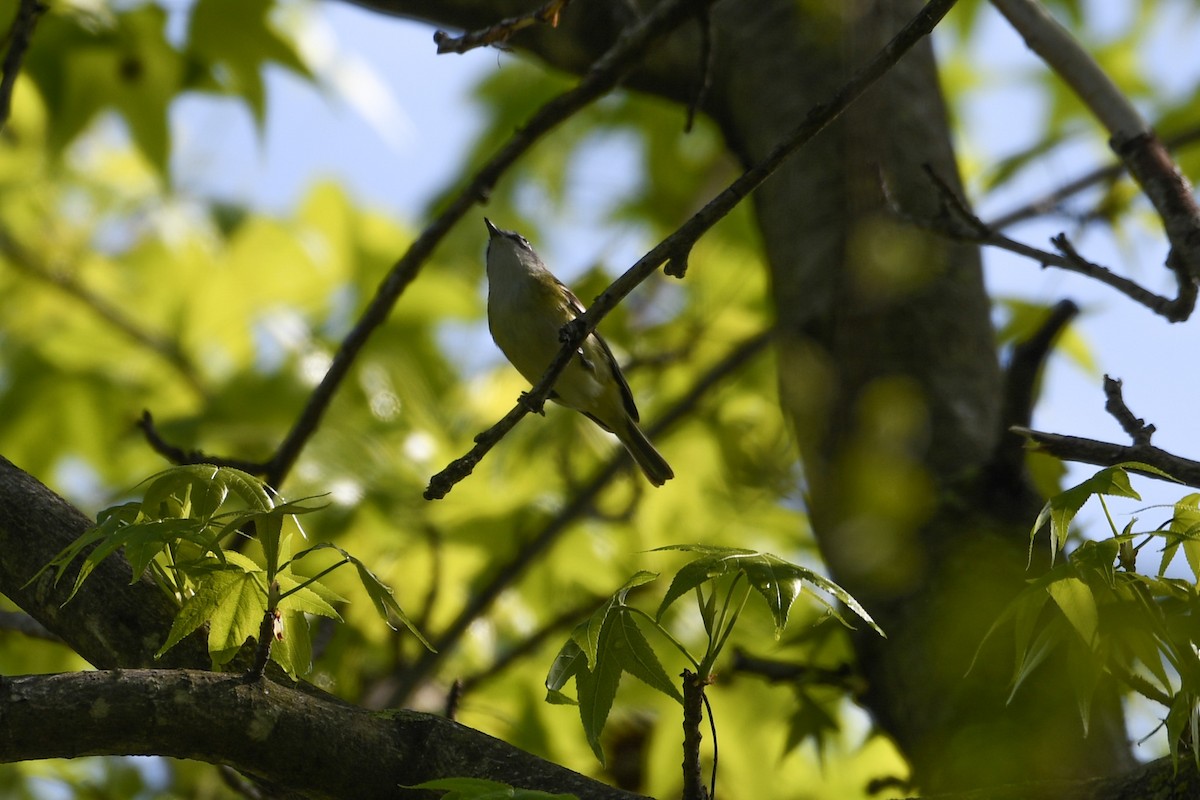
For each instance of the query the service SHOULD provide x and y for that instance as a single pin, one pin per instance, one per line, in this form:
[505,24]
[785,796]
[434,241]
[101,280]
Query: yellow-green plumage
[527,307]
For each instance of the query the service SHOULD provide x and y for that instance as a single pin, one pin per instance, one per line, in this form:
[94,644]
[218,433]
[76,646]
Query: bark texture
[294,742]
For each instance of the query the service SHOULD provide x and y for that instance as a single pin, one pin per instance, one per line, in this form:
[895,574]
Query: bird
[527,308]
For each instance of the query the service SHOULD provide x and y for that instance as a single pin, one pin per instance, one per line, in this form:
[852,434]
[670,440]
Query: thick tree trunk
[891,378]
[889,373]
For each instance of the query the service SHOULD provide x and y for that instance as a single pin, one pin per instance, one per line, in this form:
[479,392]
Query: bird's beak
[492,229]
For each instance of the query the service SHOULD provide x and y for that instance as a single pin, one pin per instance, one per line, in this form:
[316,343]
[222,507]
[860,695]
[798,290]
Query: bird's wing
[610,361]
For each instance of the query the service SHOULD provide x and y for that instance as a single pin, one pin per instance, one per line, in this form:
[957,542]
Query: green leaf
[566,665]
[201,606]
[811,720]
[1062,508]
[1047,639]
[307,599]
[1184,715]
[237,616]
[597,689]
[587,634]
[1027,610]
[778,581]
[110,520]
[124,64]
[481,789]
[1078,604]
[379,592]
[633,653]
[293,652]
[237,36]
[1099,559]
[1185,522]
[1086,670]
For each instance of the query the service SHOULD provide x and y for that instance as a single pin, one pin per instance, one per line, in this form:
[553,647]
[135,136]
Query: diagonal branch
[1132,139]
[18,38]
[1054,198]
[260,730]
[957,221]
[500,32]
[673,251]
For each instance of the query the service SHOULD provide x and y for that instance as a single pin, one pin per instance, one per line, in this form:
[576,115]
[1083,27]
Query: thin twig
[177,455]
[673,251]
[1114,404]
[841,677]
[712,728]
[17,39]
[959,222]
[1054,198]
[500,32]
[1107,454]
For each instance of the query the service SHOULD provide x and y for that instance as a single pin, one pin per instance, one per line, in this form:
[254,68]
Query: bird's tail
[657,470]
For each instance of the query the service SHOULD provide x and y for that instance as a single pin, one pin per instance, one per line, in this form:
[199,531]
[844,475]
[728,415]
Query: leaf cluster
[611,642]
[1114,622]
[179,533]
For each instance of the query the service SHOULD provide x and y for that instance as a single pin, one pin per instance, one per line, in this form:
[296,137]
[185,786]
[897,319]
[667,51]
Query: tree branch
[264,730]
[1132,139]
[499,32]
[17,39]
[1051,200]
[1107,454]
[957,221]
[1114,404]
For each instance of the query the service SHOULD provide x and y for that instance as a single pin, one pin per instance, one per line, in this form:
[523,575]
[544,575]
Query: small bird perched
[527,307]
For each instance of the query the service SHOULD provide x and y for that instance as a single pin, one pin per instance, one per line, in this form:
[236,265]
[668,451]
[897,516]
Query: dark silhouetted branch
[957,221]
[1052,200]
[17,40]
[1107,454]
[1114,404]
[500,32]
